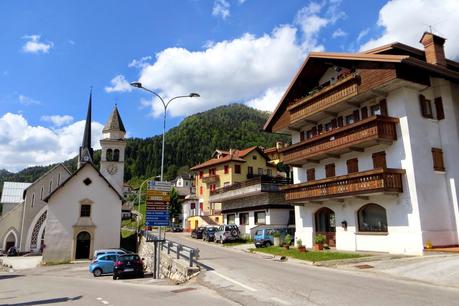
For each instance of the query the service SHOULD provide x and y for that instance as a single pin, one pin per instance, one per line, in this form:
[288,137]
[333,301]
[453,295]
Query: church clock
[112,169]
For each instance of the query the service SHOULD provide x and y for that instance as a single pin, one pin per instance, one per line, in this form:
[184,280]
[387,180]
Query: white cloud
[221,8]
[249,69]
[34,45]
[140,63]
[26,101]
[118,84]
[406,20]
[23,145]
[339,33]
[362,34]
[58,120]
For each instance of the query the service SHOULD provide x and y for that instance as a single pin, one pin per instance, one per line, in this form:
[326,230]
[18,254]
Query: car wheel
[97,272]
[115,277]
[142,275]
[221,240]
[267,244]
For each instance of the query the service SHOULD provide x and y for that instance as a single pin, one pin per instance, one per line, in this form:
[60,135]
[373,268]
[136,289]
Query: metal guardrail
[180,250]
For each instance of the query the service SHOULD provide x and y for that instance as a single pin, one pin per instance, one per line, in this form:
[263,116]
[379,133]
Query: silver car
[227,232]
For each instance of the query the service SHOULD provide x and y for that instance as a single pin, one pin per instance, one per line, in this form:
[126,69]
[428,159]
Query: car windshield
[211,229]
[129,258]
[259,232]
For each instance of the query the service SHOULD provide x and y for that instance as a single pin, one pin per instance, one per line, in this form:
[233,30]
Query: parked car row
[118,262]
[221,234]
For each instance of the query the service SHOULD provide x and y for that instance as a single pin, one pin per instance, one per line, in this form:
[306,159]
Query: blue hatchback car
[103,264]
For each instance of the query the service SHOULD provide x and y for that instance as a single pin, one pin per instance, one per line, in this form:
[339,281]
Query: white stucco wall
[64,213]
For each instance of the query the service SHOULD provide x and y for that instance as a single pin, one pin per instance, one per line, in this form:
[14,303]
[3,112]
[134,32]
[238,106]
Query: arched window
[109,156]
[372,218]
[116,155]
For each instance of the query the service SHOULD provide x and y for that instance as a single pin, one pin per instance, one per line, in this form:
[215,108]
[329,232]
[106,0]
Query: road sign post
[157,213]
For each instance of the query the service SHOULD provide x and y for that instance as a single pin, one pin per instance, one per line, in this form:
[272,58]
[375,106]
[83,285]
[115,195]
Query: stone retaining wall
[177,270]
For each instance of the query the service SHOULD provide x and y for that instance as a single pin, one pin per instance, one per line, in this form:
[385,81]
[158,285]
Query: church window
[87,181]
[109,156]
[116,155]
[58,179]
[41,193]
[50,186]
[85,210]
[33,199]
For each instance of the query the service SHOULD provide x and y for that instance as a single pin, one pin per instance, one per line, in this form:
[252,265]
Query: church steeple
[86,151]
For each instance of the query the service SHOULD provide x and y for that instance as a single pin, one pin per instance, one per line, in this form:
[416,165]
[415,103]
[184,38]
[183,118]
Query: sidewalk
[438,269]
[22,262]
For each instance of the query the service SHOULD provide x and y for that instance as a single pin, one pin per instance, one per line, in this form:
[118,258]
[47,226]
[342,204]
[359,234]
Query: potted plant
[300,246]
[276,238]
[287,241]
[319,241]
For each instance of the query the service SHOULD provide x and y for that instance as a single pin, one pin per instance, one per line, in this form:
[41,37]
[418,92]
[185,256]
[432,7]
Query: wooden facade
[360,183]
[364,133]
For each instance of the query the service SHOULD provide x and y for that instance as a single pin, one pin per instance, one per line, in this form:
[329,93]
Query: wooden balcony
[360,183]
[354,137]
[303,110]
[210,179]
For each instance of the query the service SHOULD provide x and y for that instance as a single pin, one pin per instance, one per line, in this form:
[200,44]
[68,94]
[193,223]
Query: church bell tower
[86,152]
[113,147]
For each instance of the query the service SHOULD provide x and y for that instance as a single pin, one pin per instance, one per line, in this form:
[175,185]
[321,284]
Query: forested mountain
[191,142]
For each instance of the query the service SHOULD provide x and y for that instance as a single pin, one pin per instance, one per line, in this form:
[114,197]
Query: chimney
[433,47]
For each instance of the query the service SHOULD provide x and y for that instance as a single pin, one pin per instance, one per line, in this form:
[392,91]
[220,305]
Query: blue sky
[228,51]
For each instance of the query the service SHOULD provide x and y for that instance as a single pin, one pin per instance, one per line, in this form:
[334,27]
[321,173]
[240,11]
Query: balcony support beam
[295,129]
[312,161]
[332,155]
[316,202]
[332,114]
[354,104]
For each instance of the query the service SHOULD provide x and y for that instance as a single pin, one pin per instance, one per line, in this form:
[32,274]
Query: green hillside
[191,142]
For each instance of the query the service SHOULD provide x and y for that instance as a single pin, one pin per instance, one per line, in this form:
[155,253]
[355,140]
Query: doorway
[83,245]
[326,225]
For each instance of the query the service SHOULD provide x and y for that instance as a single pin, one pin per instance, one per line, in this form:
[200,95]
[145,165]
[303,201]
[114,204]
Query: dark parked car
[227,232]
[128,264]
[197,232]
[12,252]
[176,228]
[209,233]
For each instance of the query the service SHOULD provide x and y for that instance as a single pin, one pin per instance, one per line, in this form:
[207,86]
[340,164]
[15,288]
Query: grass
[309,255]
[237,242]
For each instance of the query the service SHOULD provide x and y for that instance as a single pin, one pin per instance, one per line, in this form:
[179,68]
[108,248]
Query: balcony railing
[364,133]
[360,183]
[324,98]
[211,178]
[268,184]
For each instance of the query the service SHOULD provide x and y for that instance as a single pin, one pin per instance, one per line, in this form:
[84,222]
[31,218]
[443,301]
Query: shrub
[299,242]
[288,239]
[319,239]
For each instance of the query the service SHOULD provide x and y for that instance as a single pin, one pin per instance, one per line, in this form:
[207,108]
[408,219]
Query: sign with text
[158,198]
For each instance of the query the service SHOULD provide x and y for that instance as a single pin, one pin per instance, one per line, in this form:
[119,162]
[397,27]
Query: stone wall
[177,270]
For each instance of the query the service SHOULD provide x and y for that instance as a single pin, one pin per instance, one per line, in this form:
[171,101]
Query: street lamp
[165,104]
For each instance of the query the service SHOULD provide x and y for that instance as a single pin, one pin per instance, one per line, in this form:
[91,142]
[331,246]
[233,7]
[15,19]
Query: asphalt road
[251,279]
[73,285]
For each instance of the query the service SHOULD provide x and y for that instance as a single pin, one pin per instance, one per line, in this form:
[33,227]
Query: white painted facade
[64,222]
[427,209]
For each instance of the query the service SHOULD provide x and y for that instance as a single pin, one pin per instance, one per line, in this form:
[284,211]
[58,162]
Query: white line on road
[233,281]
[99,299]
[105,302]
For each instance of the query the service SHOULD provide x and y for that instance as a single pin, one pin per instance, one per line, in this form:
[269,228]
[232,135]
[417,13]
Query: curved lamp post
[165,104]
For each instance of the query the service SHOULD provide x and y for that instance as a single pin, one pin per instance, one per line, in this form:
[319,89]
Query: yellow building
[225,168]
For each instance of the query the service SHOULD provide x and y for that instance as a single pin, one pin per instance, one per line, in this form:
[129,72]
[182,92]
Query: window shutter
[301,135]
[439,108]
[379,160]
[311,174]
[352,165]
[364,111]
[437,157]
[356,115]
[383,107]
[314,131]
[330,170]
[340,121]
[319,128]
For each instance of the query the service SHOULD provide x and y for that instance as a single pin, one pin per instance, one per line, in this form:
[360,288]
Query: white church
[68,216]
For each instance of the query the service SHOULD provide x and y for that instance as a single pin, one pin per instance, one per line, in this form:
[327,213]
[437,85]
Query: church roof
[114,123]
[75,173]
[13,192]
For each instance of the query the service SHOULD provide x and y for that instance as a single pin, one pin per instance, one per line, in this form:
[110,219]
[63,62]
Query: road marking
[278,300]
[99,299]
[233,281]
[104,302]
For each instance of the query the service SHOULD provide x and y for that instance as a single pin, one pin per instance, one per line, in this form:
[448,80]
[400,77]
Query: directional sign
[160,186]
[158,198]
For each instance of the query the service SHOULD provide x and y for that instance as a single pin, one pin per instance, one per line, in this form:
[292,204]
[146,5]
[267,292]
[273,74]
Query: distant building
[12,195]
[184,185]
[225,169]
[375,141]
